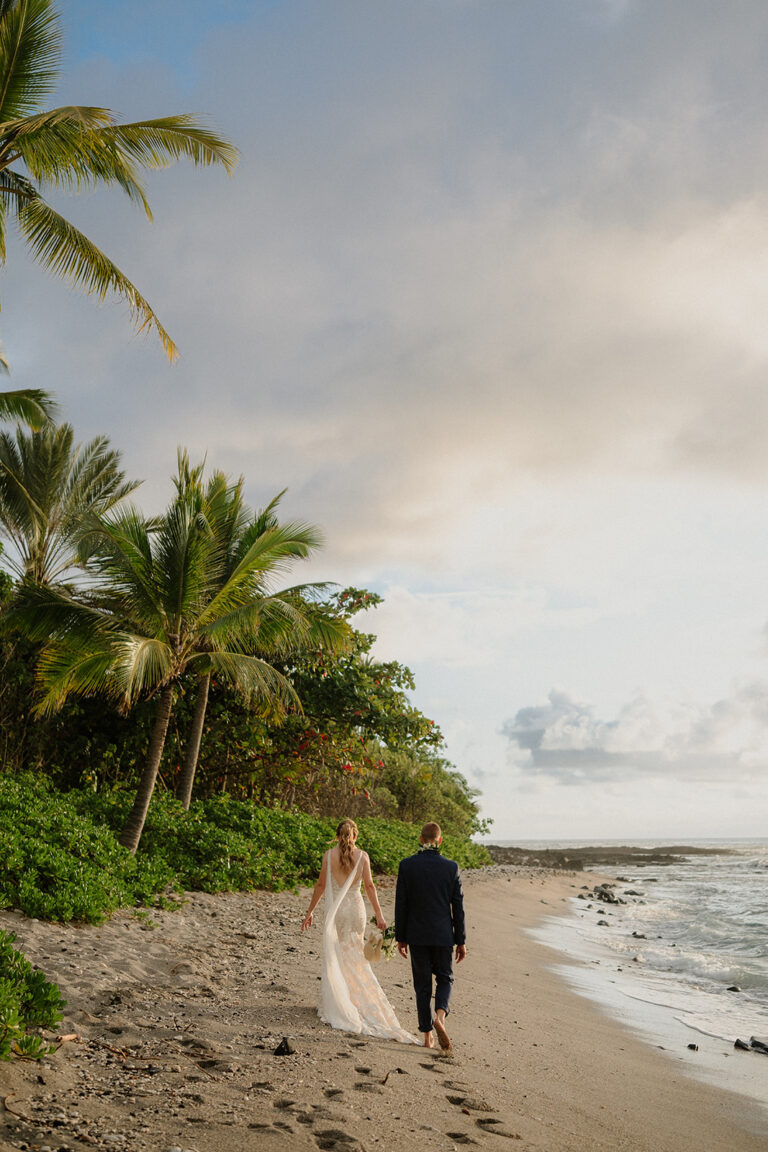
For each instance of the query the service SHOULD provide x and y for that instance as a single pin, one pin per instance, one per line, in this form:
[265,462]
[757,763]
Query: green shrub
[63,861]
[27,1000]
[61,864]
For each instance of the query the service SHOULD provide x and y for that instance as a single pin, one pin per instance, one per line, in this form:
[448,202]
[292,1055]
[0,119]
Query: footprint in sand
[284,1126]
[494,1128]
[470,1103]
[335,1140]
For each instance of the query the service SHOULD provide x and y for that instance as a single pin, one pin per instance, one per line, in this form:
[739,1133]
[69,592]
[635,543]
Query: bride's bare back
[338,871]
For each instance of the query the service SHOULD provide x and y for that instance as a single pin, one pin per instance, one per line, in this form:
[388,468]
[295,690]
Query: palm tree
[31,405]
[280,622]
[49,485]
[158,609]
[75,148]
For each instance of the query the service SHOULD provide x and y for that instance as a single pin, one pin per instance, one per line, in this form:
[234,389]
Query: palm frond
[161,142]
[120,558]
[186,560]
[264,519]
[31,405]
[30,55]
[67,252]
[65,148]
[74,668]
[188,477]
[49,488]
[251,677]
[330,633]
[139,665]
[272,552]
[50,613]
[15,191]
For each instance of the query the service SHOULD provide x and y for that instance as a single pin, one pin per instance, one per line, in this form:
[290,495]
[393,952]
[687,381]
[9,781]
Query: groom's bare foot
[428,1041]
[443,1038]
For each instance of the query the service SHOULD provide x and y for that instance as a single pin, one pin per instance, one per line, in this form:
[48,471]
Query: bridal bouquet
[379,943]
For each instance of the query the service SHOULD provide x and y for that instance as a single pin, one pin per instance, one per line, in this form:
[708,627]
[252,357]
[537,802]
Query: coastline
[178,1025]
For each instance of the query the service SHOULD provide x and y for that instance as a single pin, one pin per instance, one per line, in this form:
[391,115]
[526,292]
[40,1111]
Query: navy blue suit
[429,918]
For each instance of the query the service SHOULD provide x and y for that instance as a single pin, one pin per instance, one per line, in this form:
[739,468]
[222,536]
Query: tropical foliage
[31,405]
[75,148]
[63,860]
[49,485]
[164,604]
[27,1000]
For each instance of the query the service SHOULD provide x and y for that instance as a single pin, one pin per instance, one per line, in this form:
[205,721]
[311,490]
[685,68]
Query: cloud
[566,741]
[438,273]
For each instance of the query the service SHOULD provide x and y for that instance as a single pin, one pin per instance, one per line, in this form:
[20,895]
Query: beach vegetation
[161,694]
[157,610]
[64,860]
[278,624]
[27,1001]
[73,149]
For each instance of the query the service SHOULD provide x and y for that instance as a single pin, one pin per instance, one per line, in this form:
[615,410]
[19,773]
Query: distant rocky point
[576,859]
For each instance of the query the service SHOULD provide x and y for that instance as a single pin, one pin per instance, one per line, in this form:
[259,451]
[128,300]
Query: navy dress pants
[427,962]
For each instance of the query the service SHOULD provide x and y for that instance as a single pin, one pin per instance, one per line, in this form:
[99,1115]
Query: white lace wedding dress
[351,997]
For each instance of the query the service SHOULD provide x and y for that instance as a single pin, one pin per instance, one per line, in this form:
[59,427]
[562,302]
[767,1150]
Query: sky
[488,295]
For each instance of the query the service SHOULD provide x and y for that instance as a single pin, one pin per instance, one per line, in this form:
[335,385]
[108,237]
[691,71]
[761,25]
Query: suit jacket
[429,902]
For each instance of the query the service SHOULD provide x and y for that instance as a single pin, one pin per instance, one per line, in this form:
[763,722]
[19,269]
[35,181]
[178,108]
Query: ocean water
[665,960]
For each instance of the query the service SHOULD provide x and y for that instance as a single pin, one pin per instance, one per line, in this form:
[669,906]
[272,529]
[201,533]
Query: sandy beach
[177,1021]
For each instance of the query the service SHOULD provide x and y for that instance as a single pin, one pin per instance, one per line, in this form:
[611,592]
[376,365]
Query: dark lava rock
[285,1048]
[639,936]
[742,1046]
[603,924]
[693,1047]
[759,1045]
[733,988]
[598,856]
[604,892]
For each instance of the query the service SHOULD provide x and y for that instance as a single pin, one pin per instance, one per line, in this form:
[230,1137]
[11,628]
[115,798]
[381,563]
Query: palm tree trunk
[189,767]
[134,825]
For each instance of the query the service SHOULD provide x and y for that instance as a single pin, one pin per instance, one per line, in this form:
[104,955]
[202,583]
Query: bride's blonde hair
[345,834]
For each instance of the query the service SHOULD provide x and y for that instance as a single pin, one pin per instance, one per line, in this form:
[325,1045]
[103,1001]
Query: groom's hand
[461,951]
[402,949]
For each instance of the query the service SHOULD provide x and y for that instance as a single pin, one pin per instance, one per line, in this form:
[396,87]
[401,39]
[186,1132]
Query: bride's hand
[306,922]
[381,923]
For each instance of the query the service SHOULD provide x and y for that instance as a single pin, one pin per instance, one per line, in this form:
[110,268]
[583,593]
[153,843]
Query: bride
[351,997]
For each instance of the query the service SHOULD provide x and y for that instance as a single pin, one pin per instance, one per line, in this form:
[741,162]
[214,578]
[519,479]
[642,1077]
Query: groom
[429,918]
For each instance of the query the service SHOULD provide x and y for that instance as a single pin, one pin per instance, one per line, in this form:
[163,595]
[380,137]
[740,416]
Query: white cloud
[566,740]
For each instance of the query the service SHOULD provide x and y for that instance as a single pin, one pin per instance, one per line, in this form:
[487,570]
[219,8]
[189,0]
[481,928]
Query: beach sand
[178,1022]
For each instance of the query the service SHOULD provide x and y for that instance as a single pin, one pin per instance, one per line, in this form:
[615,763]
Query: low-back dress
[351,997]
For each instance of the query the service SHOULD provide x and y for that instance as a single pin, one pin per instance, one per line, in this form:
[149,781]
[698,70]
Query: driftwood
[13,1111]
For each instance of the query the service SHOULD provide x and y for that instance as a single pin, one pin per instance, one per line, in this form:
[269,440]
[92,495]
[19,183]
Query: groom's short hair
[430,832]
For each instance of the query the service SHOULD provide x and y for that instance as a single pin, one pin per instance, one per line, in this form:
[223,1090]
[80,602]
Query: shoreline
[178,1025]
[714,1062]
[701,1027]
